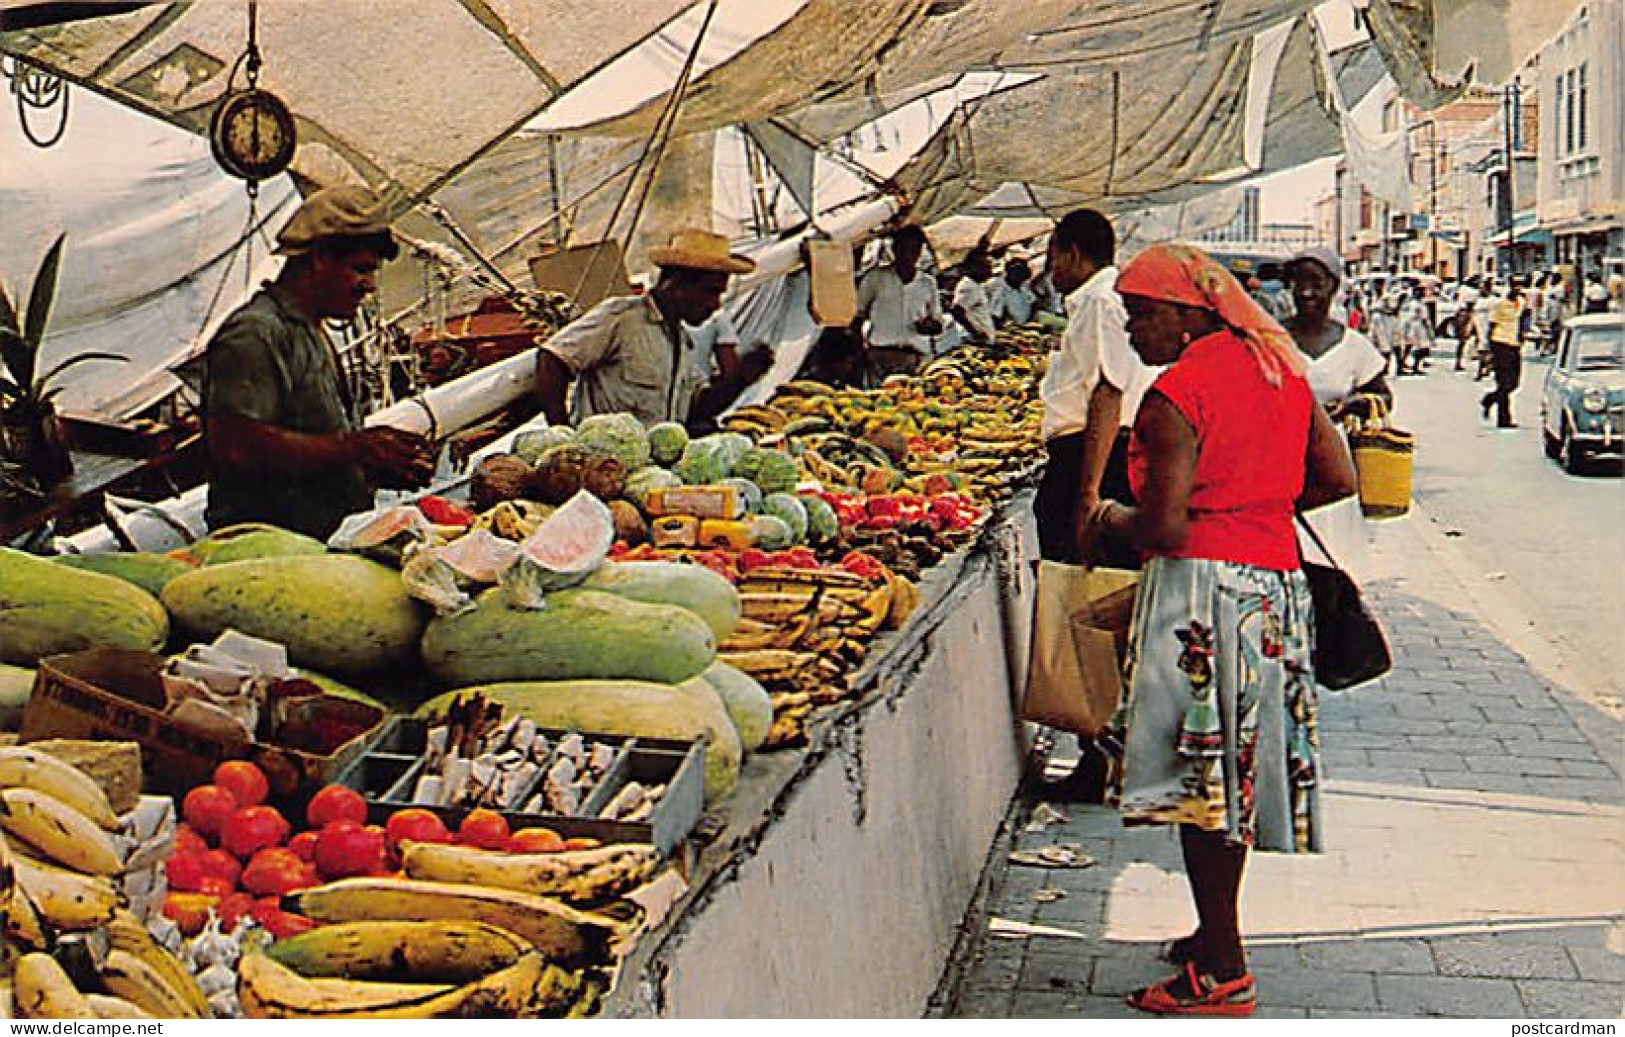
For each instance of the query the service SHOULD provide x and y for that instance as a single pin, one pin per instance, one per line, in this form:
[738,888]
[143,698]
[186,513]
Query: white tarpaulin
[401,94]
[151,253]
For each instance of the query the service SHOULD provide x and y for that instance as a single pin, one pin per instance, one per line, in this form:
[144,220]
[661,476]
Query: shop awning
[1527,231]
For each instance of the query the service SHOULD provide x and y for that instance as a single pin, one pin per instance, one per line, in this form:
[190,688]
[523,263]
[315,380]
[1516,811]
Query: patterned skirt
[1217,728]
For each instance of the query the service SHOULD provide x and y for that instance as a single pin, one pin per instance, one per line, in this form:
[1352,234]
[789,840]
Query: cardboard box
[118,695]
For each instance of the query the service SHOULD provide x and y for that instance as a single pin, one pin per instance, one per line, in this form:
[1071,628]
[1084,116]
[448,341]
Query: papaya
[249,540]
[748,704]
[16,685]
[46,608]
[145,569]
[334,613]
[693,587]
[633,708]
[575,635]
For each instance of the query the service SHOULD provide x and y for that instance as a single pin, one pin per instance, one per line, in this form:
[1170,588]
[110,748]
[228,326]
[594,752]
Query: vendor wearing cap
[284,442]
[635,354]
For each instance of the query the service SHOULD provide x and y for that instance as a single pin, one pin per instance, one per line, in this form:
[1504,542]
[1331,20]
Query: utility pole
[1509,128]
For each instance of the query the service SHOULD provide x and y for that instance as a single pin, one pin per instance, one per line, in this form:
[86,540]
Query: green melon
[748,704]
[693,587]
[46,608]
[145,569]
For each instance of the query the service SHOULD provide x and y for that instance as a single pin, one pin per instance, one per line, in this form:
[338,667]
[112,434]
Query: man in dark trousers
[284,441]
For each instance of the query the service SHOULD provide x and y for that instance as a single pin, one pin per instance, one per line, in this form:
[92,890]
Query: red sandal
[1233,998]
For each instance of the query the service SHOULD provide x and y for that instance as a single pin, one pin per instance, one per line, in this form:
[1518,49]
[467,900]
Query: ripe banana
[528,987]
[23,925]
[560,932]
[43,991]
[445,951]
[137,981]
[58,830]
[31,769]
[106,1006]
[67,899]
[126,933]
[576,876]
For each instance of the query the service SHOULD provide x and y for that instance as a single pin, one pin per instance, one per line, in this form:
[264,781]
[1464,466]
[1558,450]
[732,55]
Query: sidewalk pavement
[1475,862]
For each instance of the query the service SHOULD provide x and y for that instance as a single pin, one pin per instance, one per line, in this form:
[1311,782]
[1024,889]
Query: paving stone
[1561,733]
[1318,988]
[1577,751]
[1591,789]
[1079,909]
[1449,997]
[1409,726]
[1515,783]
[1415,760]
[1457,744]
[1266,1011]
[1118,975]
[1369,955]
[1500,731]
[1499,959]
[983,1003]
[1598,963]
[1058,968]
[1530,765]
[1088,1007]
[1393,776]
[1581,769]
[1511,713]
[1554,999]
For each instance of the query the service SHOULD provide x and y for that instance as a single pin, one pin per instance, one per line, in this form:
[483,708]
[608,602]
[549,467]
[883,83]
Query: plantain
[65,899]
[136,980]
[575,876]
[529,987]
[443,951]
[58,830]
[21,767]
[768,664]
[42,990]
[106,1006]
[562,933]
[125,932]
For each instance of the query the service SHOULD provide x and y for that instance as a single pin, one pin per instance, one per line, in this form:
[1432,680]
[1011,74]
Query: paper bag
[1073,677]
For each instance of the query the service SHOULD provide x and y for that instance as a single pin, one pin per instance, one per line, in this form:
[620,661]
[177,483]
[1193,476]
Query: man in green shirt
[285,445]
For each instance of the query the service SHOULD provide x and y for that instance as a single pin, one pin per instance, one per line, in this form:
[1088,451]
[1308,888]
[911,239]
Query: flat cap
[350,211]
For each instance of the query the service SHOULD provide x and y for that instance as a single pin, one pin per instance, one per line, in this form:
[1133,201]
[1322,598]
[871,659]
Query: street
[1476,832]
[1552,545]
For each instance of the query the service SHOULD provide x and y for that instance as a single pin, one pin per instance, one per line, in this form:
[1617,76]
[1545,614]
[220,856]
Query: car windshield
[1597,349]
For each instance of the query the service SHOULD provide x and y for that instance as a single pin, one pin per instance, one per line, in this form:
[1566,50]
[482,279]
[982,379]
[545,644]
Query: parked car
[1582,404]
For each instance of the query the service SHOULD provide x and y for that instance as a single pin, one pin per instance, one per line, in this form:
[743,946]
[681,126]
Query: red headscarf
[1187,276]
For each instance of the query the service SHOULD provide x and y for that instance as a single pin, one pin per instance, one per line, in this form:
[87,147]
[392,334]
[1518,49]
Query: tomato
[535,840]
[206,809]
[277,870]
[345,848]
[244,781]
[185,871]
[279,923]
[232,909]
[884,507]
[189,911]
[222,864]
[188,841]
[215,886]
[753,558]
[486,829]
[414,824]
[335,803]
[253,828]
[303,846]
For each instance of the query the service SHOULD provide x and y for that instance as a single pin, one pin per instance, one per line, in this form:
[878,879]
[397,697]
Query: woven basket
[1383,458]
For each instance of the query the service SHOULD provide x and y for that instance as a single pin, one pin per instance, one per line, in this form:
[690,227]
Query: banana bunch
[575,876]
[529,987]
[756,421]
[134,979]
[562,933]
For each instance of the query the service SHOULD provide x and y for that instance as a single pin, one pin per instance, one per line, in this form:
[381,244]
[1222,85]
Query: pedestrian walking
[1219,725]
[1415,335]
[1506,319]
[1343,364]
[1466,322]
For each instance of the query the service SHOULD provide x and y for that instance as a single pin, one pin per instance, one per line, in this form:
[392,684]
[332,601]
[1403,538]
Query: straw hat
[701,250]
[350,211]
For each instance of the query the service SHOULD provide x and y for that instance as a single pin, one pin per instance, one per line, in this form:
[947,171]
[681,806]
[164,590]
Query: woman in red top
[1220,734]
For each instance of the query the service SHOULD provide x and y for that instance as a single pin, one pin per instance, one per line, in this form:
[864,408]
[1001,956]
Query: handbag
[1383,457]
[1349,647]
[1080,616]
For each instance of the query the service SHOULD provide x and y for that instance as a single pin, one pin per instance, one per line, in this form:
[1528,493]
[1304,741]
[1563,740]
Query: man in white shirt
[1014,301]
[973,297]
[900,305]
[1090,393]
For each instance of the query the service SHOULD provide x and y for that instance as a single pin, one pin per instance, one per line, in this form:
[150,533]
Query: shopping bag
[1349,647]
[1079,618]
[1383,457]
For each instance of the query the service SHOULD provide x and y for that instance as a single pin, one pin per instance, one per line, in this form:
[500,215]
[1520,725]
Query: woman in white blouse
[1343,364]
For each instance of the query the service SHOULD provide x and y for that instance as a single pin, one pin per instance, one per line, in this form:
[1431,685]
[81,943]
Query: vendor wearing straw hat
[285,445]
[634,354]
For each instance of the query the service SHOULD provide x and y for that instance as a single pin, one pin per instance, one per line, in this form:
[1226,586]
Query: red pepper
[864,565]
[443,512]
[753,558]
